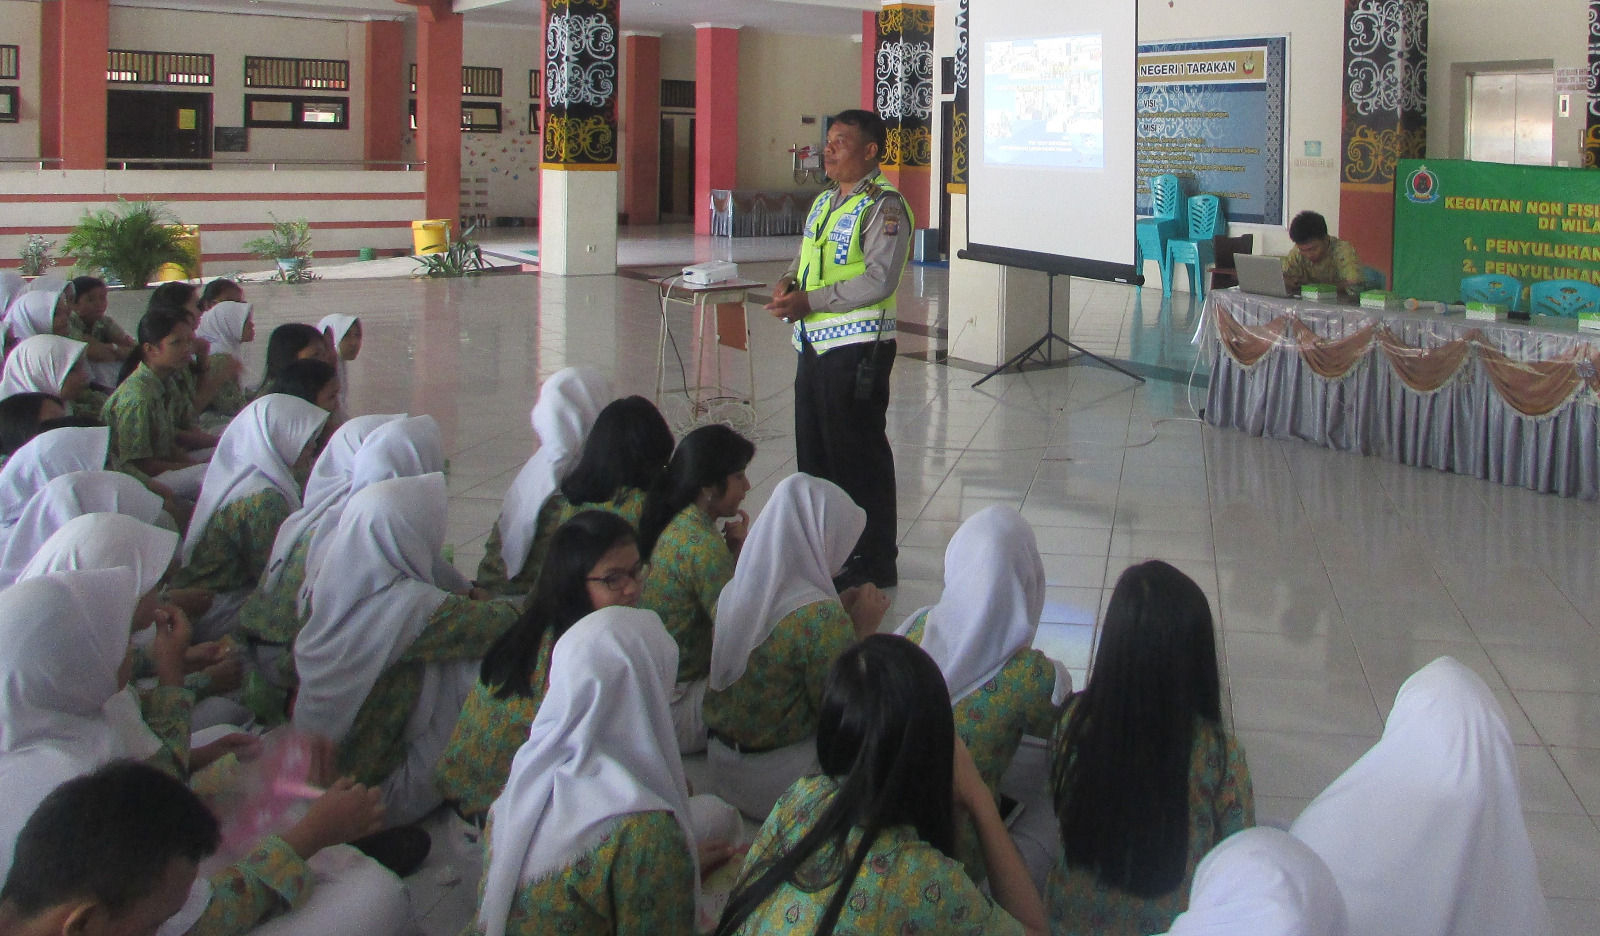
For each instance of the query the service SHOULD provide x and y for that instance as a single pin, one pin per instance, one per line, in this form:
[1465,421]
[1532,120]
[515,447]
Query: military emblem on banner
[1423,186]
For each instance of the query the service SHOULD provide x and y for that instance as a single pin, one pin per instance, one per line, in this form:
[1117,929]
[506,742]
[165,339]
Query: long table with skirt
[755,213]
[1516,403]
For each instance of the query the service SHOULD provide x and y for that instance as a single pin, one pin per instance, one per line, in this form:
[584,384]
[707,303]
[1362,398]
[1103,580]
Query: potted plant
[289,244]
[461,257]
[36,258]
[129,242]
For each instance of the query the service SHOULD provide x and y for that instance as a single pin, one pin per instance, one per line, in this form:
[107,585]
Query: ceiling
[804,17]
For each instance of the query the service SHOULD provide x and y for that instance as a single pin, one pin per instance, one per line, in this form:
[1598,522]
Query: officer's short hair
[870,125]
[1308,226]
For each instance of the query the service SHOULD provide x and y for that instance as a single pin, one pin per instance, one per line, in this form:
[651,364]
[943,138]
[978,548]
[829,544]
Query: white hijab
[373,603]
[1425,832]
[12,285]
[798,543]
[33,312]
[566,410]
[40,365]
[222,326]
[329,484]
[107,541]
[257,452]
[601,746]
[73,495]
[1262,882]
[339,325]
[406,448]
[65,636]
[993,596]
[48,455]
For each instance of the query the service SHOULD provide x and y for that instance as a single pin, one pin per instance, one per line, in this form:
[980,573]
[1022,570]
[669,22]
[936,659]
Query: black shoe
[402,849]
[859,571]
[849,577]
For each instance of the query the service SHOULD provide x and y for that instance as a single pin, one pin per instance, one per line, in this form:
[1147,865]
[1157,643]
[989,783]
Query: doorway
[1503,112]
[151,126]
[677,167]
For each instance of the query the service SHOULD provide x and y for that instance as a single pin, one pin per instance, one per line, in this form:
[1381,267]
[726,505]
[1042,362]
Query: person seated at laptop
[1318,258]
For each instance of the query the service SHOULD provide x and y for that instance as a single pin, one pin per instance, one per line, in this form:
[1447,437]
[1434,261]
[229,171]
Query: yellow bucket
[174,271]
[433,236]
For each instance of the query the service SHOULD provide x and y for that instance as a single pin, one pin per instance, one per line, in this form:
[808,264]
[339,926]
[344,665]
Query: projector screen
[1051,177]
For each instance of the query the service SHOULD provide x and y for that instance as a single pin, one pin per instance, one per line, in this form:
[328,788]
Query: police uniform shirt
[885,244]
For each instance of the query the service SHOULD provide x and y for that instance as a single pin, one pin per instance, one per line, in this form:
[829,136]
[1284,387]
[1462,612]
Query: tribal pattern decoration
[903,82]
[1385,87]
[960,139]
[1591,136]
[580,84]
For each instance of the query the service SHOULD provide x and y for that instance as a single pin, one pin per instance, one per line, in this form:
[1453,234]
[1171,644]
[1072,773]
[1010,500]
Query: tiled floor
[1333,576]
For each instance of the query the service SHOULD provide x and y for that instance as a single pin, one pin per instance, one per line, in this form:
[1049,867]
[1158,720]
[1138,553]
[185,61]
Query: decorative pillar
[641,126]
[869,58]
[716,113]
[439,106]
[902,82]
[75,37]
[1385,117]
[1591,135]
[385,90]
[578,181]
[960,142]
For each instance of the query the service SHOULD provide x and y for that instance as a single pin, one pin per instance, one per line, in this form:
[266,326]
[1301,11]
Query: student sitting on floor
[1262,882]
[1146,779]
[21,415]
[252,485]
[197,381]
[49,455]
[343,334]
[45,309]
[108,344]
[151,415]
[691,560]
[316,382]
[225,327]
[868,846]
[780,625]
[388,656]
[295,341]
[568,404]
[221,289]
[54,365]
[593,564]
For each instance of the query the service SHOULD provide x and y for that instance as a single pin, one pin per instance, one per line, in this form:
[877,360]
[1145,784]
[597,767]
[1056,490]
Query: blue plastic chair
[1195,250]
[1165,222]
[1489,287]
[1373,278]
[1566,298]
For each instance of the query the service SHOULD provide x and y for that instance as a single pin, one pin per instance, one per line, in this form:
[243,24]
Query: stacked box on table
[1381,301]
[1321,292]
[1485,311]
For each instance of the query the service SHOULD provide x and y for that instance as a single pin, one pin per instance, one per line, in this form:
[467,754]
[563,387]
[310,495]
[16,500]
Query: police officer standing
[840,296]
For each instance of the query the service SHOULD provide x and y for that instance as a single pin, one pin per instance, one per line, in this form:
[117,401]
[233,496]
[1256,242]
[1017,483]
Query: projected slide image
[1044,103]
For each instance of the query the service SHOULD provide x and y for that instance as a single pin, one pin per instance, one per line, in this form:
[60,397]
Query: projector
[705,274]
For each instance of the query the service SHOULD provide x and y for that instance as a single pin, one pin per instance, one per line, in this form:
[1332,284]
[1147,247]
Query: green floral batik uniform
[689,567]
[991,721]
[142,415]
[104,330]
[1221,802]
[905,885]
[492,573]
[639,881]
[230,397]
[272,615]
[489,731]
[461,629]
[237,542]
[89,403]
[777,701]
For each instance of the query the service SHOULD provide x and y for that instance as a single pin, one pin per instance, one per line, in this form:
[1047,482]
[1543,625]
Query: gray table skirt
[1465,426]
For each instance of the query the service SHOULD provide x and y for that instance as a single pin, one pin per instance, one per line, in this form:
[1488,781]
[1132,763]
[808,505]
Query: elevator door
[1511,117]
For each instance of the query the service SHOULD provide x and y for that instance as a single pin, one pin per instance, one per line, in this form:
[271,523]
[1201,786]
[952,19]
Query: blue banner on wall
[1213,113]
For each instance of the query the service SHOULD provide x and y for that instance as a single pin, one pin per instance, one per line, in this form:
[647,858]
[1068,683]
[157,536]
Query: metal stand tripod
[1044,349]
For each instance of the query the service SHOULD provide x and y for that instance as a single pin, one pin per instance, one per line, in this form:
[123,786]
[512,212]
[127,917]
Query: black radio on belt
[867,375]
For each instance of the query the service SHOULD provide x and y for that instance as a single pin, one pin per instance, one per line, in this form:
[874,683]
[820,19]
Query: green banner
[1454,218]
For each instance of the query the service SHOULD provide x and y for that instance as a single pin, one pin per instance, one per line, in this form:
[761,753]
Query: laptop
[1260,275]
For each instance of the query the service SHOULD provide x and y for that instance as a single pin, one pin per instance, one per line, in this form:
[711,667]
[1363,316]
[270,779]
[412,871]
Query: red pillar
[385,90]
[869,60]
[1366,220]
[75,35]
[641,126]
[439,105]
[716,110]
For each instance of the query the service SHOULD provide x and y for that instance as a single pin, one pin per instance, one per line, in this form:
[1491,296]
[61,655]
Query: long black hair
[703,459]
[303,378]
[886,735]
[285,345]
[1120,768]
[172,295]
[627,448]
[154,327]
[19,419]
[560,599]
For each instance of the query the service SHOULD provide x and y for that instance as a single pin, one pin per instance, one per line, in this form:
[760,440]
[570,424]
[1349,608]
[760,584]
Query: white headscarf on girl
[601,746]
[329,484]
[1262,882]
[405,448]
[33,312]
[566,410]
[12,285]
[222,326]
[73,495]
[993,596]
[338,325]
[798,543]
[65,635]
[1425,832]
[373,603]
[256,453]
[40,365]
[48,455]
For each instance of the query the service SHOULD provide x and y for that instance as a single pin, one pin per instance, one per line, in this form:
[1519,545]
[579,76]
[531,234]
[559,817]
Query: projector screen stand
[1043,350]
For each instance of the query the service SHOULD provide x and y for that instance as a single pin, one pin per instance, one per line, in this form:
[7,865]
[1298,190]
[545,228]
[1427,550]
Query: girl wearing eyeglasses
[593,563]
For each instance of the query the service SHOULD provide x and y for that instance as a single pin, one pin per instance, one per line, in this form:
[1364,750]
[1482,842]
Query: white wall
[781,78]
[19,26]
[505,165]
